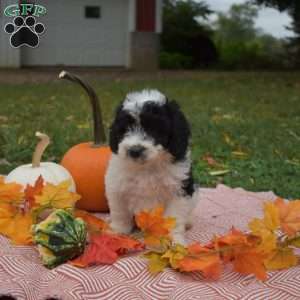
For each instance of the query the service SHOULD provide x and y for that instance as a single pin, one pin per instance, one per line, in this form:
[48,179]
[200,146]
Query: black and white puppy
[150,164]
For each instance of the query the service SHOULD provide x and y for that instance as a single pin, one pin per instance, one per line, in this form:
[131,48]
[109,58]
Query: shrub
[175,61]
[247,55]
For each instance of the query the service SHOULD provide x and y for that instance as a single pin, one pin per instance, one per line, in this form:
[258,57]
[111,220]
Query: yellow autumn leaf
[152,241]
[265,228]
[7,212]
[175,254]
[15,225]
[257,226]
[268,243]
[157,243]
[156,262]
[22,229]
[10,192]
[268,238]
[57,196]
[295,242]
[271,217]
[281,258]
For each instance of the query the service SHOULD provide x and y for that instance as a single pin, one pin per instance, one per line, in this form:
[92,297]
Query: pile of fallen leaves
[19,209]
[269,244]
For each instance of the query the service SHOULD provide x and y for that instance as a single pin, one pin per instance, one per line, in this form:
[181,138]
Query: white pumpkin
[51,172]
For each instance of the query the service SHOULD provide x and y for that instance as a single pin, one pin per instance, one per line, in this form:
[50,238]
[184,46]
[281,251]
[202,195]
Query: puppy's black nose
[136,151]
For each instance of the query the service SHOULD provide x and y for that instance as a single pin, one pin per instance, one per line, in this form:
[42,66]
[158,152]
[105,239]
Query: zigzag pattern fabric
[23,276]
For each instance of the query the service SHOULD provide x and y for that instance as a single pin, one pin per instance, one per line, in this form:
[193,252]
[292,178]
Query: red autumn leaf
[210,160]
[32,191]
[105,249]
[94,255]
[122,244]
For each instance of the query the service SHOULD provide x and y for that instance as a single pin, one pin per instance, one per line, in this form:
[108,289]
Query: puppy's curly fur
[150,164]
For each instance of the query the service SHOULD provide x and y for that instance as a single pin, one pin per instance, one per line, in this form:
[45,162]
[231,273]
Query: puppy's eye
[123,123]
[126,119]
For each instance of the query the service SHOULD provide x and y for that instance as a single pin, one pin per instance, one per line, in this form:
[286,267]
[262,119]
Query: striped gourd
[60,237]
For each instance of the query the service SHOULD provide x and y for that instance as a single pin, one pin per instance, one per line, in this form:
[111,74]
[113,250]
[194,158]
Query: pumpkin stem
[40,148]
[99,133]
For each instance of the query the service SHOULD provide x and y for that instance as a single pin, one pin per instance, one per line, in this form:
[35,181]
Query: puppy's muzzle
[136,151]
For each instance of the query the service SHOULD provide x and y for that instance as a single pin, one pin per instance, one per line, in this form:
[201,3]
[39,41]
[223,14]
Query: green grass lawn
[248,122]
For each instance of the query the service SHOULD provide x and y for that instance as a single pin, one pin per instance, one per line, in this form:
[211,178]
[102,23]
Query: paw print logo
[24,32]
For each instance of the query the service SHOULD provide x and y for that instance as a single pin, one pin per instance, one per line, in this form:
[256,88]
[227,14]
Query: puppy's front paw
[179,239]
[124,228]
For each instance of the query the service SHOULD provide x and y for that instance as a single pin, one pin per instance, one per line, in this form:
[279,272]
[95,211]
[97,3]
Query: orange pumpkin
[87,162]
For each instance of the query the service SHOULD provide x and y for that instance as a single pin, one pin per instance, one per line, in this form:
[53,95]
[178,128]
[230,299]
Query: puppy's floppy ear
[114,134]
[122,123]
[180,131]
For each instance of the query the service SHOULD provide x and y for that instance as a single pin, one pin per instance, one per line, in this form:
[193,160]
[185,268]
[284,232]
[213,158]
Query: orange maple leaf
[94,224]
[15,225]
[289,214]
[233,238]
[7,212]
[241,249]
[105,249]
[229,242]
[10,192]
[32,191]
[154,225]
[201,258]
[250,261]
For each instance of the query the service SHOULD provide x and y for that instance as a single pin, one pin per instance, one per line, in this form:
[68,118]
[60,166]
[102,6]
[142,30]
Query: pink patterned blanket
[23,276]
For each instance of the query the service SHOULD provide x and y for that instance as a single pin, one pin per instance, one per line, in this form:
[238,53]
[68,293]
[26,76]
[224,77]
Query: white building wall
[159,16]
[73,40]
[132,16]
[131,28]
[9,57]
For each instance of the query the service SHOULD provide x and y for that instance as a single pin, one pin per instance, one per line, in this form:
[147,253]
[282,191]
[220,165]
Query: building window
[92,12]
